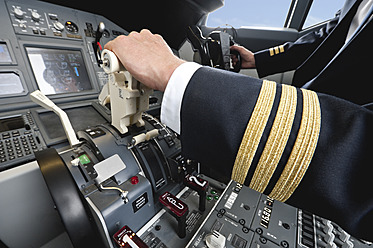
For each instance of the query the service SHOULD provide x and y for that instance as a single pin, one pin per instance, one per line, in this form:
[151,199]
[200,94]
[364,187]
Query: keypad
[16,145]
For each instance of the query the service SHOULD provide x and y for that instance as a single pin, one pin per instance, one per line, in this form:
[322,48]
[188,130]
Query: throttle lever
[200,185]
[177,209]
[96,45]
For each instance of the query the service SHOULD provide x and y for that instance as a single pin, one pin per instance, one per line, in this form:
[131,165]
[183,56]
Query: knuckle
[145,31]
[132,34]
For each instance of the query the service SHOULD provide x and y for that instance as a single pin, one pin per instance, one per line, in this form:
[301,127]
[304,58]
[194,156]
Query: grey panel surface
[27,216]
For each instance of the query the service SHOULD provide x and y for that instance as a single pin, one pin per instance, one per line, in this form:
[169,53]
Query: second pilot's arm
[287,56]
[311,150]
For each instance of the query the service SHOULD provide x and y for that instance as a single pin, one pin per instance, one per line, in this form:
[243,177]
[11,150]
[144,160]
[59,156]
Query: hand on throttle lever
[147,57]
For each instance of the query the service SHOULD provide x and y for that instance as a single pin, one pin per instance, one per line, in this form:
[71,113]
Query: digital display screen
[10,83]
[59,71]
[4,53]
[12,123]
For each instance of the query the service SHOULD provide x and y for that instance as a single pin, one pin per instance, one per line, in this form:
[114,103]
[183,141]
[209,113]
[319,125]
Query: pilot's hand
[247,57]
[147,57]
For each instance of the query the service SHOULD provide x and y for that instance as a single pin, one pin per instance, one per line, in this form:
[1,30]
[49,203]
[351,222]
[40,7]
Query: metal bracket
[122,193]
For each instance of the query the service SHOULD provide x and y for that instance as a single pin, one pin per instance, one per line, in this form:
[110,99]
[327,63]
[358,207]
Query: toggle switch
[177,209]
[215,240]
[200,185]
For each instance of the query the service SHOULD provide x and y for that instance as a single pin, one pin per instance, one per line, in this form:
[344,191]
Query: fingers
[146,56]
[247,57]
[239,49]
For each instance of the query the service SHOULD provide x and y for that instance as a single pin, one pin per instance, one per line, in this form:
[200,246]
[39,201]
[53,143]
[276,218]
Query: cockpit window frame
[296,16]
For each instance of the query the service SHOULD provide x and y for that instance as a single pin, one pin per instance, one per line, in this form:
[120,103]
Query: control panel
[53,49]
[246,218]
[19,139]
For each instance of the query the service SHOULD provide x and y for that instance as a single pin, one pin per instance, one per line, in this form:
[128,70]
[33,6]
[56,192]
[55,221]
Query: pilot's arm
[287,56]
[310,150]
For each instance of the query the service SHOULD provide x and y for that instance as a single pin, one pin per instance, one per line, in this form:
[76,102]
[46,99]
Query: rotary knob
[35,16]
[18,13]
[58,26]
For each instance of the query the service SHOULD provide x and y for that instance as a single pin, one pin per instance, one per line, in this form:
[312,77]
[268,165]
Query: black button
[246,207]
[263,240]
[259,231]
[222,211]
[6,135]
[286,226]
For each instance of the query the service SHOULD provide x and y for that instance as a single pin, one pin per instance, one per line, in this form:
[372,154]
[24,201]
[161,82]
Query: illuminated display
[4,53]
[58,71]
[10,83]
[11,123]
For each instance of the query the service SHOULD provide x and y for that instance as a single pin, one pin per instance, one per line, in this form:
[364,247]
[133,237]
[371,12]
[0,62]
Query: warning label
[140,202]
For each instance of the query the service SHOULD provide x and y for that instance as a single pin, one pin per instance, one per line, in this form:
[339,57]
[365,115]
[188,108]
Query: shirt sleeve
[173,95]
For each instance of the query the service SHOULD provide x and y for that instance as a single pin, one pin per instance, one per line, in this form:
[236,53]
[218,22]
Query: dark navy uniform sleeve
[291,55]
[227,118]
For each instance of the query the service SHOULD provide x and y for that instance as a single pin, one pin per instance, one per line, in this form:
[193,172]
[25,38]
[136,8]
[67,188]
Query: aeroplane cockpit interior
[85,160]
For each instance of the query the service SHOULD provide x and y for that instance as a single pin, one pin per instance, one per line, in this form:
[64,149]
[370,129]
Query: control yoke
[128,98]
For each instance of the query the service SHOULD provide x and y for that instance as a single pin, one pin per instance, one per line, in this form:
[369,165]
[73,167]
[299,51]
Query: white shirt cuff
[173,95]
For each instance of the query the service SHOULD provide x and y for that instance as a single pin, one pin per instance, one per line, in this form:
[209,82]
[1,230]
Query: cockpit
[85,159]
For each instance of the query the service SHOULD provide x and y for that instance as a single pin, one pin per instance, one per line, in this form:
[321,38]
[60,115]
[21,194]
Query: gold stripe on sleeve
[303,150]
[271,52]
[277,51]
[282,49]
[277,139]
[254,131]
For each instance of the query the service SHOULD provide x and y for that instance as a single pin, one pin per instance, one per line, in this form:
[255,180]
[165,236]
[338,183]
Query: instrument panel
[50,48]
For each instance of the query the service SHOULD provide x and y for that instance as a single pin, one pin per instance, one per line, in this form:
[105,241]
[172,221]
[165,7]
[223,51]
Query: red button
[134,180]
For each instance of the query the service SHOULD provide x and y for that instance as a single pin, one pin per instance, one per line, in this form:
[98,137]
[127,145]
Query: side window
[321,11]
[259,13]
